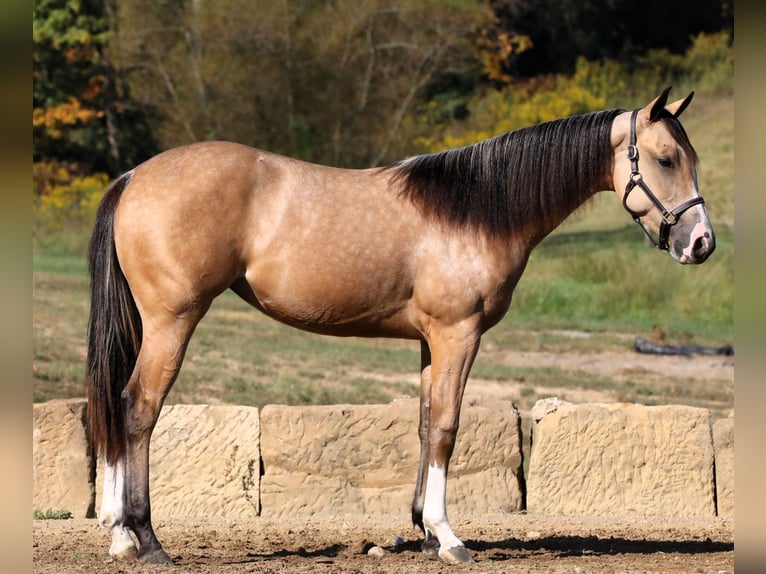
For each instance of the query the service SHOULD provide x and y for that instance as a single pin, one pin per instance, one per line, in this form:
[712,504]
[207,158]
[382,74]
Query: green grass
[60,314]
[51,514]
[612,280]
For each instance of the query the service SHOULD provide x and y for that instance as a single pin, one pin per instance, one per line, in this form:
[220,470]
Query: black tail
[114,331]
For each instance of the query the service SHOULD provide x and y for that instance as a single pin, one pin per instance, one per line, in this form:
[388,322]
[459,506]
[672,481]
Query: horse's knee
[442,433]
[141,413]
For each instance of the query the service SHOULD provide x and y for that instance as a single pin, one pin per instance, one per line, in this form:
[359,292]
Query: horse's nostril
[702,247]
[699,247]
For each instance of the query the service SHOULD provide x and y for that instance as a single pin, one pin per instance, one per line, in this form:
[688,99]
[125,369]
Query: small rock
[376,552]
[363,547]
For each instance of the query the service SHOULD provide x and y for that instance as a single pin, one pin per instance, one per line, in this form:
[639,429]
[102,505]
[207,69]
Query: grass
[596,274]
[607,279]
[51,514]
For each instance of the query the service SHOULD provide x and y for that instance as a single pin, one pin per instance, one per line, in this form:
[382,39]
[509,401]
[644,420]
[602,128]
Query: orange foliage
[94,88]
[496,50]
[66,114]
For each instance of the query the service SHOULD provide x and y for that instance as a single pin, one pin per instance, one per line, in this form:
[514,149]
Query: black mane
[536,175]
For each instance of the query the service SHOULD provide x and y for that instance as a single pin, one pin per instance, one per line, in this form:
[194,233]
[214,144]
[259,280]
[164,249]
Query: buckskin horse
[429,248]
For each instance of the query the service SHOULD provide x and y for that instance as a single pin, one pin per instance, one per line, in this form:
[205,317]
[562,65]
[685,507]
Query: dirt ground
[498,543]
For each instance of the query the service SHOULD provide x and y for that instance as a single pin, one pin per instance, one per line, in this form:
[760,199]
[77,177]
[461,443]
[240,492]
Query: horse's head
[656,177]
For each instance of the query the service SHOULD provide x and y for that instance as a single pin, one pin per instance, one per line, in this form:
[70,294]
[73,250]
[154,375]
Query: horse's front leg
[431,543]
[453,350]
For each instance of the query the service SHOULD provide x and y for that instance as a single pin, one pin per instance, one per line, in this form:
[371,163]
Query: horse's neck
[536,233]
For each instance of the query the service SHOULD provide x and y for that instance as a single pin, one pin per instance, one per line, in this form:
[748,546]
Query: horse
[428,249]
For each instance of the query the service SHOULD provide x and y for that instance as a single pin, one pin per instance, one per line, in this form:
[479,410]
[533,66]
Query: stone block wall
[622,459]
[63,470]
[229,461]
[204,461]
[340,459]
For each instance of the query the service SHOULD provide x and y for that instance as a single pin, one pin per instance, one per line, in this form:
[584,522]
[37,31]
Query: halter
[669,218]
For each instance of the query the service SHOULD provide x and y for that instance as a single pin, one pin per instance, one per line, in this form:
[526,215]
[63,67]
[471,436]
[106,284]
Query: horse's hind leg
[164,343]
[112,512]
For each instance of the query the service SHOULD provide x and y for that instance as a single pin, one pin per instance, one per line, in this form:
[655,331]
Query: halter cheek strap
[669,217]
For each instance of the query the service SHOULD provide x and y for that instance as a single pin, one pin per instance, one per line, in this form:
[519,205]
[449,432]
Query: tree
[333,82]
[81,112]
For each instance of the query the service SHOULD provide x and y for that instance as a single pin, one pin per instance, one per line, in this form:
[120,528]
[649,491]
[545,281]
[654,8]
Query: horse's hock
[237,462]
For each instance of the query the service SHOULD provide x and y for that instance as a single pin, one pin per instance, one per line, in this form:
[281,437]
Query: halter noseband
[669,218]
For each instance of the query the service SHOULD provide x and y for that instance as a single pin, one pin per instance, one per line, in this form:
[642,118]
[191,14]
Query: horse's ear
[677,107]
[658,105]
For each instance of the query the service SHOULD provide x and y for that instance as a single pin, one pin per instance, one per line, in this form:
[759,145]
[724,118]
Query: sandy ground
[498,543]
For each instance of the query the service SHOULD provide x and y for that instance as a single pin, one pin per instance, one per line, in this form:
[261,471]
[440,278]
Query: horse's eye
[666,162]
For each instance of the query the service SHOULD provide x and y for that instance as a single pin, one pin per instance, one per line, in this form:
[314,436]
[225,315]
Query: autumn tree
[82,113]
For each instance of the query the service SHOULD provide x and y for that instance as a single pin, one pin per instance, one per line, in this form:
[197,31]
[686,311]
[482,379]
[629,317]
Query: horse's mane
[538,174]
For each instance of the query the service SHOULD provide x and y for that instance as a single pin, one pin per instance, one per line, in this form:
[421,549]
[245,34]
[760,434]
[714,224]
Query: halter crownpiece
[669,218]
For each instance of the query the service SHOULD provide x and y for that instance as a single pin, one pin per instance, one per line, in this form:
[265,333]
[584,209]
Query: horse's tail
[114,332]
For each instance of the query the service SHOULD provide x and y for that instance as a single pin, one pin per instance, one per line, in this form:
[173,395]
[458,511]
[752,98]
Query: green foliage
[562,30]
[82,109]
[65,199]
[707,67]
[523,104]
[51,515]
[69,39]
[349,83]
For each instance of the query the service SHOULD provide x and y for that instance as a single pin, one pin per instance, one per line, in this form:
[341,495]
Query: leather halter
[669,218]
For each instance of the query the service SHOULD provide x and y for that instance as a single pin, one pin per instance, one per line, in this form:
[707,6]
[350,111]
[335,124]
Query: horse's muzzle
[700,246]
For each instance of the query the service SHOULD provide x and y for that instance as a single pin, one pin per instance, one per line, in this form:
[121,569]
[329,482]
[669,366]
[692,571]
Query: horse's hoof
[455,555]
[127,555]
[157,556]
[430,548]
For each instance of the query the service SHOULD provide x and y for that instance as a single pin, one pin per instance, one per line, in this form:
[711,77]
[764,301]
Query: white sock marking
[112,513]
[435,508]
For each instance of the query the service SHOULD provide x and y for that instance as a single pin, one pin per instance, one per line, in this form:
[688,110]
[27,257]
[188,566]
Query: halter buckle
[670,218]
[632,152]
